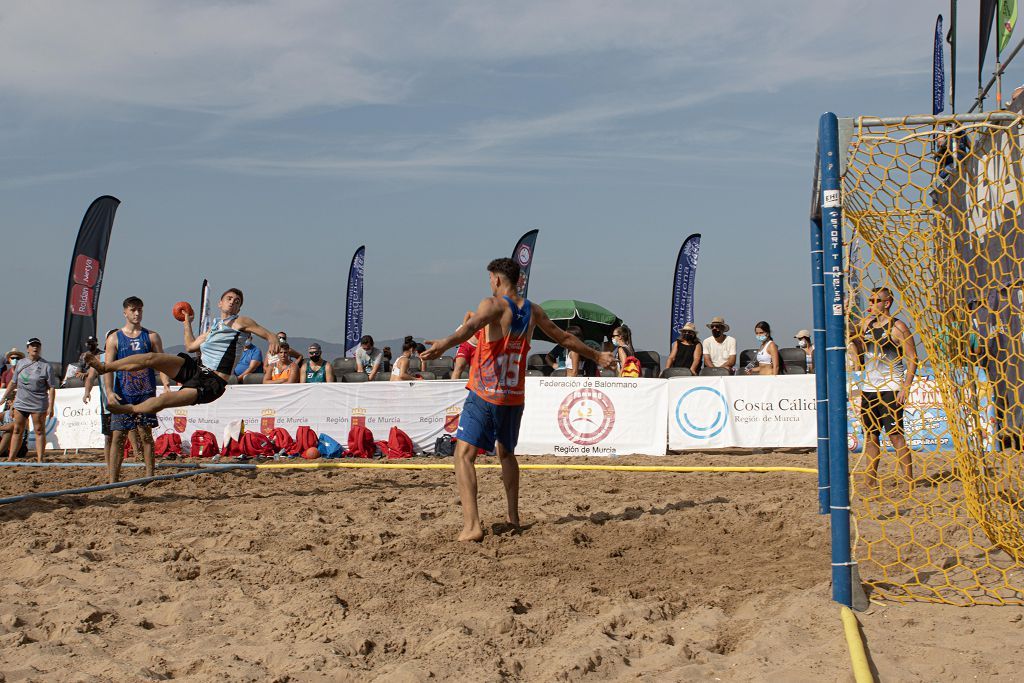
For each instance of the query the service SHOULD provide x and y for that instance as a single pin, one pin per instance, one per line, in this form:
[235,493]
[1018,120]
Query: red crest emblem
[451,419]
[359,417]
[267,421]
[180,421]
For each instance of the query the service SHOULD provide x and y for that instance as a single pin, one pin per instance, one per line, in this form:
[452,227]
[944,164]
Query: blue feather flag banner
[682,285]
[938,72]
[354,302]
[523,255]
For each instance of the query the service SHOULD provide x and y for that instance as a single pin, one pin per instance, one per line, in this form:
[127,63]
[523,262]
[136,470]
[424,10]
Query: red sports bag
[305,438]
[204,444]
[282,439]
[167,444]
[360,443]
[398,445]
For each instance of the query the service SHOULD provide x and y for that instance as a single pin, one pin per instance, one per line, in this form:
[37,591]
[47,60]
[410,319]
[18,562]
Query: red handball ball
[311,453]
[182,309]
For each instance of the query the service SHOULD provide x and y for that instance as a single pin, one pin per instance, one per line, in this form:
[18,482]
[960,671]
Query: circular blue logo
[696,419]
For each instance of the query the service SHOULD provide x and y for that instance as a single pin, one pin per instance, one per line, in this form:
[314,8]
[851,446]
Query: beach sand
[355,575]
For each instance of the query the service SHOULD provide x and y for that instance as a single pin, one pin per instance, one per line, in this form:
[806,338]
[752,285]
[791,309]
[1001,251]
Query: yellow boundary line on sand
[858,656]
[522,466]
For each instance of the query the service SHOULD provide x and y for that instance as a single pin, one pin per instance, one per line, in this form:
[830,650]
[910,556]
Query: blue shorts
[125,422]
[482,424]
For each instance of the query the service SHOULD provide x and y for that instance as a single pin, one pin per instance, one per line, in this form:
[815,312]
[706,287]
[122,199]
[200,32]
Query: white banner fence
[563,416]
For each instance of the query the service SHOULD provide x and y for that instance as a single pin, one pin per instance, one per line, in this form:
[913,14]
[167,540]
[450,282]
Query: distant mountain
[330,349]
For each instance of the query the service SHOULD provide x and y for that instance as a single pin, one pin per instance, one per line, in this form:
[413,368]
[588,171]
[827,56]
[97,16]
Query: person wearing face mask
[767,359]
[803,341]
[251,360]
[282,339]
[686,351]
[315,369]
[719,348]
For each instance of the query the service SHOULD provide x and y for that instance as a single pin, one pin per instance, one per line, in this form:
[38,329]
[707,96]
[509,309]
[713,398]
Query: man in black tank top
[884,349]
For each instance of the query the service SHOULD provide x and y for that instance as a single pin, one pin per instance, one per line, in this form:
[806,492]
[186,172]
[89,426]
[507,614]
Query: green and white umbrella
[597,322]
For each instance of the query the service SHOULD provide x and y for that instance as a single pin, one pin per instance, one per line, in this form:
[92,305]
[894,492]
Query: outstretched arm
[246,324]
[192,342]
[157,344]
[570,342]
[487,312]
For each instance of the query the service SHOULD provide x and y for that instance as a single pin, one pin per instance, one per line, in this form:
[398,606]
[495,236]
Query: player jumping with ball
[200,383]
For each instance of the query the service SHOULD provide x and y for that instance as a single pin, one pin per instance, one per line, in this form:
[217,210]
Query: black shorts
[105,424]
[205,381]
[881,412]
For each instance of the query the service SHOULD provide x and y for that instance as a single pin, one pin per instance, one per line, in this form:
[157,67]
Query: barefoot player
[503,325]
[200,383]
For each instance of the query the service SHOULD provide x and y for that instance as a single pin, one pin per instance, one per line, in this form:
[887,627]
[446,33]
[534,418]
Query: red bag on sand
[257,445]
[398,445]
[282,439]
[305,438]
[204,444]
[167,444]
[360,443]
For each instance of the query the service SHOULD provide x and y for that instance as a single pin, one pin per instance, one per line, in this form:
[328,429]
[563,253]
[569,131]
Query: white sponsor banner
[593,416]
[741,412]
[424,410]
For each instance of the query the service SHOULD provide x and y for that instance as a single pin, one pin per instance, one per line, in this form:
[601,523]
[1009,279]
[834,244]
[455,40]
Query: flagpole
[952,55]
[999,68]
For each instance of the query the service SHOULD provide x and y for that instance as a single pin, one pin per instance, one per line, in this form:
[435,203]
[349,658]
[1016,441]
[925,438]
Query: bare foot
[473,534]
[116,408]
[93,361]
[514,521]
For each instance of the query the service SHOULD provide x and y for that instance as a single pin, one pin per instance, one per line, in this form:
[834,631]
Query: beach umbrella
[597,322]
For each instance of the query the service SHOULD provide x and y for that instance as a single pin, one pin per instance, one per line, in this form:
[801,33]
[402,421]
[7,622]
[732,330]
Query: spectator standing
[285,370]
[400,370]
[10,360]
[719,349]
[767,361]
[250,361]
[687,352]
[36,387]
[77,370]
[622,340]
[368,357]
[803,341]
[885,348]
[315,370]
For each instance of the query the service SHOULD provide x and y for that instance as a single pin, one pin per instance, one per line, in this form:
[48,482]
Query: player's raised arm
[247,324]
[486,313]
[569,341]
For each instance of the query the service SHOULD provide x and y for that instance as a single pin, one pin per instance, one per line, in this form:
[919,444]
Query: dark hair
[132,302]
[237,292]
[626,334]
[409,345]
[367,339]
[408,338]
[505,267]
[764,326]
[575,330]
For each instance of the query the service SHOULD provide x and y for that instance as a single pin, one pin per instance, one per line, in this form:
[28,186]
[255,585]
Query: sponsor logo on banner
[81,300]
[524,255]
[359,417]
[86,271]
[702,412]
[451,418]
[267,421]
[586,416]
[181,420]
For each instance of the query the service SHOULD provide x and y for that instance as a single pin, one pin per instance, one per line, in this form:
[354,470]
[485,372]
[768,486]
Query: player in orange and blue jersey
[503,325]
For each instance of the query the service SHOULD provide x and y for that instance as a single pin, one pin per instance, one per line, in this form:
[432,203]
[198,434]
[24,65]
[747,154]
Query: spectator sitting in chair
[687,351]
[251,360]
[559,358]
[622,339]
[400,370]
[10,360]
[285,370]
[803,341]
[315,369]
[282,338]
[368,358]
[767,361]
[719,349]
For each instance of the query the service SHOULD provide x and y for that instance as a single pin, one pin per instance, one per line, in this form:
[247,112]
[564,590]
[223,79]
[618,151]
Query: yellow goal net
[933,213]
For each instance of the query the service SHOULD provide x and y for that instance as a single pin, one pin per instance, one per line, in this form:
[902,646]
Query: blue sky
[257,144]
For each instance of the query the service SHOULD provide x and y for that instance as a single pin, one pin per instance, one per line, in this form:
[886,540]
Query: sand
[354,575]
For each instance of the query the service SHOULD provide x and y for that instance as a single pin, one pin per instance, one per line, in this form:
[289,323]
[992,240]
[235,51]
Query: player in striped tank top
[503,325]
[200,383]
